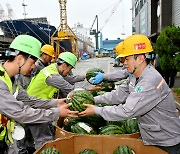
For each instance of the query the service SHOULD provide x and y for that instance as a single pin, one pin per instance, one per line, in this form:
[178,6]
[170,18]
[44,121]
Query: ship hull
[13,28]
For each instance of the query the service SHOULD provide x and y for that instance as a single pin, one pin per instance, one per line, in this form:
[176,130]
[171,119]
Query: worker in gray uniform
[24,51]
[47,53]
[114,76]
[47,83]
[147,97]
[52,78]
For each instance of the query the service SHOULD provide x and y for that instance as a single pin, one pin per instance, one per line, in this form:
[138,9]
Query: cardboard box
[61,133]
[101,144]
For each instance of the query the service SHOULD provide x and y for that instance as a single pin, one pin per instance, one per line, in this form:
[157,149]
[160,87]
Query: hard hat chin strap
[23,64]
[135,68]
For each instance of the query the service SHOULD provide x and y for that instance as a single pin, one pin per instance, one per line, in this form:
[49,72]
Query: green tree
[168,49]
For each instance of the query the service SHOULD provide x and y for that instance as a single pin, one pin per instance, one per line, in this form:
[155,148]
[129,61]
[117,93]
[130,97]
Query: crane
[96,31]
[24,8]
[64,38]
[10,11]
[1,13]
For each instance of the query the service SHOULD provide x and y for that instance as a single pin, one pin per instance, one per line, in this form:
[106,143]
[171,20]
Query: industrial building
[149,17]
[107,46]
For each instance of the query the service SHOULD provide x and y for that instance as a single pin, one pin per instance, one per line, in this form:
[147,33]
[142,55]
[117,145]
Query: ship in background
[37,27]
[42,30]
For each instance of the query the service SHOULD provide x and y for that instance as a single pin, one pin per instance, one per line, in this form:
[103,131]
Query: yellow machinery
[64,36]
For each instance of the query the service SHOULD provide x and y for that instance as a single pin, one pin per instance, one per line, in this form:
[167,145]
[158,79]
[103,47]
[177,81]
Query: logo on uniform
[139,46]
[138,89]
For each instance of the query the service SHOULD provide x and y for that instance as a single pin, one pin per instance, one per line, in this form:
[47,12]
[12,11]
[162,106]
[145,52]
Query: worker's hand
[90,110]
[66,112]
[96,87]
[98,78]
[61,102]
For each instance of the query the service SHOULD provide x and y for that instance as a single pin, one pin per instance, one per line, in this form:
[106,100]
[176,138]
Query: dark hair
[146,59]
[10,57]
[60,61]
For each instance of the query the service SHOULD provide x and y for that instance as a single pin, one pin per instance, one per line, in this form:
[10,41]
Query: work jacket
[38,67]
[38,86]
[116,76]
[48,81]
[21,112]
[6,124]
[31,110]
[150,100]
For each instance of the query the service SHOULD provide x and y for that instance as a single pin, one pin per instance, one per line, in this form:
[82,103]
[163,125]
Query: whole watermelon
[123,149]
[95,121]
[50,151]
[118,123]
[94,92]
[131,125]
[82,128]
[88,151]
[111,129]
[90,73]
[68,122]
[79,97]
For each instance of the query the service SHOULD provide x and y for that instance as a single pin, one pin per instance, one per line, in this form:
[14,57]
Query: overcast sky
[82,11]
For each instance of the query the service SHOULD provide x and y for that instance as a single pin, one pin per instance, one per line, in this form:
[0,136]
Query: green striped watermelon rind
[79,97]
[50,151]
[90,73]
[68,122]
[123,149]
[131,125]
[82,128]
[88,151]
[111,129]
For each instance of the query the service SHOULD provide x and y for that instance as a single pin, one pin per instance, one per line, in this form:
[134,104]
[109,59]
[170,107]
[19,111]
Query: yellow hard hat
[136,44]
[119,49]
[48,49]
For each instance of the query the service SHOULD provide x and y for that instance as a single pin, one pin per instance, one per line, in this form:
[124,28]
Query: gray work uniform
[72,79]
[45,132]
[64,84]
[31,110]
[149,99]
[32,133]
[117,75]
[38,67]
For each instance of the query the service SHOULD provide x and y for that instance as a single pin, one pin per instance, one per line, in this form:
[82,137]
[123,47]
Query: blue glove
[98,78]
